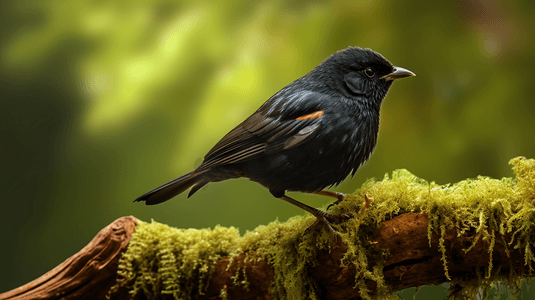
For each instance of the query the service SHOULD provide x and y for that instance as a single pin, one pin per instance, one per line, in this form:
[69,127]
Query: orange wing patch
[311,116]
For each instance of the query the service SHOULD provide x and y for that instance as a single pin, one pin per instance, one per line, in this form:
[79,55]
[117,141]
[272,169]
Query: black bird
[308,136]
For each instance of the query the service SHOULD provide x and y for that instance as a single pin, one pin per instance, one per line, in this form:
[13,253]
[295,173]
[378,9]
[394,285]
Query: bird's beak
[397,74]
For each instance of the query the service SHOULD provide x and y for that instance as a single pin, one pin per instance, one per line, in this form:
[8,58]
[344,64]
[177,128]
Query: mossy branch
[471,234]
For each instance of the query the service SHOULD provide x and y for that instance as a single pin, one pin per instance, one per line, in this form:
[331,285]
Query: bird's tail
[173,188]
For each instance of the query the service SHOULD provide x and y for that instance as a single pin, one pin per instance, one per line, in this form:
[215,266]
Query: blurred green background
[105,100]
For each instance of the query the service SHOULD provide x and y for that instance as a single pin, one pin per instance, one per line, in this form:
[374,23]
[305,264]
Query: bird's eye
[369,72]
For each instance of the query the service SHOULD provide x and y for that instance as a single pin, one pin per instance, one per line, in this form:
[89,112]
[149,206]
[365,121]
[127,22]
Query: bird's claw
[328,219]
[339,197]
[334,203]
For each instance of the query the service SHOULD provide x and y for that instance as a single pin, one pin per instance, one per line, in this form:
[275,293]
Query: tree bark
[89,274]
[411,262]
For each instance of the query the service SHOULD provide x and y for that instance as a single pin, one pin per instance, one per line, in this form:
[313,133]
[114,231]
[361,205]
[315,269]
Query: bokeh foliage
[104,100]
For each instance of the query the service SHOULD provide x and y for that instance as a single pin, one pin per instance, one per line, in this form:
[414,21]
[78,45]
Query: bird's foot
[321,216]
[328,219]
[366,205]
[339,197]
[335,203]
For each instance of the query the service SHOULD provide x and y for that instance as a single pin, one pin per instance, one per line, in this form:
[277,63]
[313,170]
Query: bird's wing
[267,132]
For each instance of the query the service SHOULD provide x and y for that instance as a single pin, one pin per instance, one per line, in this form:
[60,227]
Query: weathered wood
[89,274]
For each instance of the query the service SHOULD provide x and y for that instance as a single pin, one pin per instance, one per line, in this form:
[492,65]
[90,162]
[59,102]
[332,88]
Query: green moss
[163,260]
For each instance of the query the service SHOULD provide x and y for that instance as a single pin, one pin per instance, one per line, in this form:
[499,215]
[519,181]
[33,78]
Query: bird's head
[359,73]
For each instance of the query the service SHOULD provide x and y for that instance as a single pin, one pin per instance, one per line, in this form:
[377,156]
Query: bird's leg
[321,216]
[331,194]
[366,205]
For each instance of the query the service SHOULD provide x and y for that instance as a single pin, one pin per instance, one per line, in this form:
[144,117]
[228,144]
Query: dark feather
[168,190]
[261,134]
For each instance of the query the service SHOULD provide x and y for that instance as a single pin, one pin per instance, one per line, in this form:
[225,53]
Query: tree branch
[90,273]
